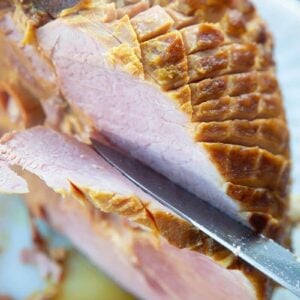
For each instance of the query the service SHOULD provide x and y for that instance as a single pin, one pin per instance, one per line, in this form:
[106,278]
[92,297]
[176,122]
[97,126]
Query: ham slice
[204,96]
[130,248]
[134,257]
[187,87]
[56,159]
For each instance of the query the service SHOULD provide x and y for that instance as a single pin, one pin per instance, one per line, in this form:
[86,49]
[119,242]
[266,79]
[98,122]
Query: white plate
[283,17]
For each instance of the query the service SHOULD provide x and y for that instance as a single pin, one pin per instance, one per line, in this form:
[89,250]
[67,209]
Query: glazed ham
[141,92]
[188,87]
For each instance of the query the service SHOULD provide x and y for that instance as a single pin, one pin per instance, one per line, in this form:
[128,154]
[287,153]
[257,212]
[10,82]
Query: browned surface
[245,107]
[169,70]
[233,85]
[227,60]
[258,200]
[251,167]
[270,134]
[151,23]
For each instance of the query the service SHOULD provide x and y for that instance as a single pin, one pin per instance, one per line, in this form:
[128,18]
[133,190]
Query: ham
[132,76]
[187,87]
[134,235]
[133,257]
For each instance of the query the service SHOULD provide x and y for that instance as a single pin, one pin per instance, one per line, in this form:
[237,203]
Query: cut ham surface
[139,86]
[136,258]
[58,161]
[187,87]
[72,168]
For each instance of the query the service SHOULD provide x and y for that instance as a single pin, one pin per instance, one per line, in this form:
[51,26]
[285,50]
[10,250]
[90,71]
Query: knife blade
[262,253]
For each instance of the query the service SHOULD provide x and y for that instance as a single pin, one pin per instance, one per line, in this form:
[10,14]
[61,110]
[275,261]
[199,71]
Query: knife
[260,252]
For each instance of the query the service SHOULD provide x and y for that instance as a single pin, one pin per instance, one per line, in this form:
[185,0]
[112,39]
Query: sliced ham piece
[132,252]
[201,104]
[136,258]
[72,168]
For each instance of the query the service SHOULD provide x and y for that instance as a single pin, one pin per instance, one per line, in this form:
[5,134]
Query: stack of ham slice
[189,88]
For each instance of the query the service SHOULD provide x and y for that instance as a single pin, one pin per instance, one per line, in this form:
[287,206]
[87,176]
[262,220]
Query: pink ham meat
[200,104]
[134,257]
[131,253]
